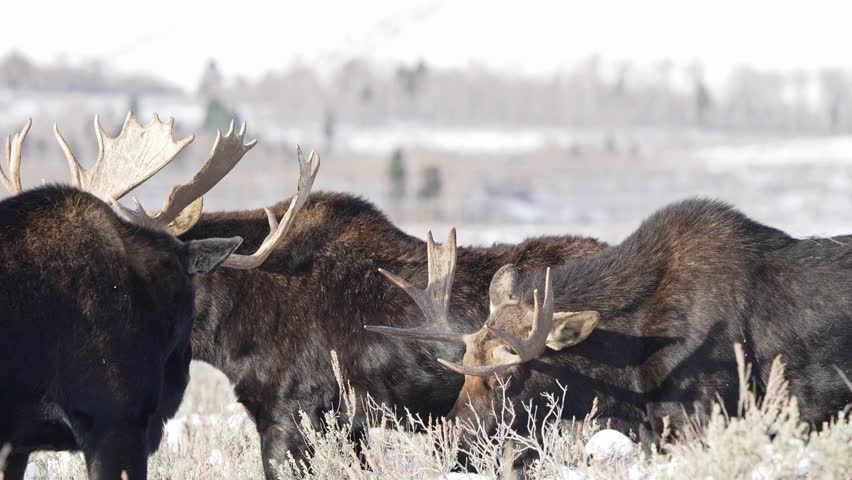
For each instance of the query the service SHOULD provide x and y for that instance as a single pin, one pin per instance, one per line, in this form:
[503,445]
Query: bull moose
[95,311]
[647,326]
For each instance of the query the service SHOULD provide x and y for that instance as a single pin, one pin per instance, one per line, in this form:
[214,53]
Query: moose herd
[103,307]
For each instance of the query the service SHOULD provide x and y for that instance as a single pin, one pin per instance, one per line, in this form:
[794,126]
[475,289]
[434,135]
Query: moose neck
[693,241]
[233,306]
[217,295]
[617,280]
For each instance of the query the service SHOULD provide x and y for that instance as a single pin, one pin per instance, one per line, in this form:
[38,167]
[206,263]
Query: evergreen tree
[219,116]
[432,185]
[397,174]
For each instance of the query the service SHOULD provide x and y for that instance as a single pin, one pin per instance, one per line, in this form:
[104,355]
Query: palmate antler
[183,206]
[434,301]
[14,145]
[126,161]
[138,152]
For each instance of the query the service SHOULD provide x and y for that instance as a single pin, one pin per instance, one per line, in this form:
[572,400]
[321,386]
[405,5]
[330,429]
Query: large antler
[307,174]
[12,180]
[434,301]
[523,350]
[124,162]
[182,208]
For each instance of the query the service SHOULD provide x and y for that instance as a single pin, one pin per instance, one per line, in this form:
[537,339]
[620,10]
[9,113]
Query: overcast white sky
[175,38]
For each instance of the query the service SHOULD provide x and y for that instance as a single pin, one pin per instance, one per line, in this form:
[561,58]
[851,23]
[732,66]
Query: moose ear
[571,328]
[504,285]
[205,255]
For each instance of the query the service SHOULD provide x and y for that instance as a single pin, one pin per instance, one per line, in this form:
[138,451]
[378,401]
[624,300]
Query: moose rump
[95,315]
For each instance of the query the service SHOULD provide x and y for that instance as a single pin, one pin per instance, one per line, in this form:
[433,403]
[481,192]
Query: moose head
[517,331]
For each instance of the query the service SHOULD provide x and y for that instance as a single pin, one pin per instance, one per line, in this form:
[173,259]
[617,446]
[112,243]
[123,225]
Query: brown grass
[218,441]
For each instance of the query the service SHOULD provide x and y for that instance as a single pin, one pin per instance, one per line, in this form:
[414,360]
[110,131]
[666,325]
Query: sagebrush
[214,438]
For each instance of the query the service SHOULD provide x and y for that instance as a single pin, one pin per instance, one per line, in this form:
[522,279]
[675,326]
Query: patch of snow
[635,473]
[216,459]
[815,150]
[566,473]
[467,140]
[33,472]
[175,431]
[610,446]
[804,467]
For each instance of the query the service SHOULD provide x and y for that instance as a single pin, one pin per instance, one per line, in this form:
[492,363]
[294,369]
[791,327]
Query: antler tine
[126,161]
[307,173]
[14,146]
[6,182]
[434,300]
[186,200]
[476,371]
[73,164]
[535,343]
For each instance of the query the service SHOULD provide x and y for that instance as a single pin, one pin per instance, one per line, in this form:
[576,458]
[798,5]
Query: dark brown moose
[647,326]
[96,312]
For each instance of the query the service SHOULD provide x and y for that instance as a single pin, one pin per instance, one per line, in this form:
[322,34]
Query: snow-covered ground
[814,150]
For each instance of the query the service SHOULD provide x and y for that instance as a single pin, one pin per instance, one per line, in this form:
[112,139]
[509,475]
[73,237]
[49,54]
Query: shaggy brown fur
[673,298]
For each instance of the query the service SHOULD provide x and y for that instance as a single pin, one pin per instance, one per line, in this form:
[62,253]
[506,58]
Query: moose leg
[276,441]
[359,435]
[115,449]
[16,465]
[648,438]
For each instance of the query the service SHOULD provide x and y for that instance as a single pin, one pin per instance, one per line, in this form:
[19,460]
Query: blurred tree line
[590,94]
